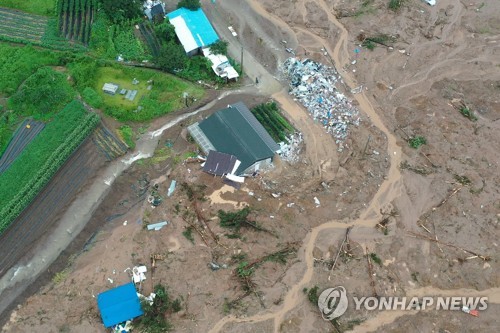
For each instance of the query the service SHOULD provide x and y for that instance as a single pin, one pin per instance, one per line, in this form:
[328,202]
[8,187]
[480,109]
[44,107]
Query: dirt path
[388,191]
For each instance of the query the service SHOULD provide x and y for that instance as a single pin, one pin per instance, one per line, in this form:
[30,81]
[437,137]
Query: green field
[165,96]
[40,7]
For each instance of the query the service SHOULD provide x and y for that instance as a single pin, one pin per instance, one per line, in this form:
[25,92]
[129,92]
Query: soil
[444,57]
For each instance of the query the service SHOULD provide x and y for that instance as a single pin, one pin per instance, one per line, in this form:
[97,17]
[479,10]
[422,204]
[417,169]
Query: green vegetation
[92,97]
[42,158]
[75,19]
[164,97]
[189,4]
[129,47]
[219,47]
[375,258]
[122,10]
[127,135]
[370,42]
[269,115]
[467,113]
[42,95]
[18,63]
[395,4]
[312,294]
[417,141]
[366,8]
[188,233]
[154,319]
[40,7]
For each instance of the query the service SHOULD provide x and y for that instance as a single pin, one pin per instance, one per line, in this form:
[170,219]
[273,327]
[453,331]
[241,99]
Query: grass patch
[40,7]
[188,233]
[395,5]
[126,133]
[164,97]
[417,141]
[60,276]
[467,113]
[376,259]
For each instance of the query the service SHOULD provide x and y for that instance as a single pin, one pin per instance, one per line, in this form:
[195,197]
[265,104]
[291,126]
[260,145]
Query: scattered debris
[123,327]
[138,273]
[157,226]
[290,151]
[316,201]
[215,266]
[110,280]
[171,189]
[290,204]
[232,31]
[313,84]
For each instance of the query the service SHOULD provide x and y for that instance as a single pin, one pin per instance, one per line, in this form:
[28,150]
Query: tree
[189,4]
[119,10]
[165,31]
[219,47]
[172,57]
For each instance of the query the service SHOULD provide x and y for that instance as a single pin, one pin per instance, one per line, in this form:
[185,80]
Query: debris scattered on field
[157,226]
[124,327]
[313,84]
[316,201]
[290,151]
[171,189]
[150,298]
[138,273]
[250,193]
[215,266]
[125,223]
[110,280]
[276,195]
[290,204]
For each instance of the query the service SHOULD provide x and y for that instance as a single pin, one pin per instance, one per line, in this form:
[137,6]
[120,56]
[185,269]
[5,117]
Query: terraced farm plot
[17,26]
[26,132]
[108,144]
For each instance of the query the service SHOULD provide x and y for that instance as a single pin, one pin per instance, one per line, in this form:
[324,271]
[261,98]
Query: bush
[127,45]
[154,319]
[269,115]
[417,142]
[92,97]
[42,94]
[172,57]
[189,4]
[219,47]
[127,134]
[395,4]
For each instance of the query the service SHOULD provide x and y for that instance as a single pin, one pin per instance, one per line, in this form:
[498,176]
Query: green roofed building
[235,130]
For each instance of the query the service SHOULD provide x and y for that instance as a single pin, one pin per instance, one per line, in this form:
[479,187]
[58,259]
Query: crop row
[75,19]
[45,172]
[150,38]
[269,116]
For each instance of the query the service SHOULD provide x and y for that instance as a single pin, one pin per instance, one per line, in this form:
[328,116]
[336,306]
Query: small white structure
[431,2]
[220,65]
[138,273]
[110,88]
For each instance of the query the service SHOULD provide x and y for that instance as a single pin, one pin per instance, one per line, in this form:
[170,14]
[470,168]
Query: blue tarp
[119,304]
[198,24]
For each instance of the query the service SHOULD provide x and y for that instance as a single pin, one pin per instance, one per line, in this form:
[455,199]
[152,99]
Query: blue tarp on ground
[119,304]
[198,24]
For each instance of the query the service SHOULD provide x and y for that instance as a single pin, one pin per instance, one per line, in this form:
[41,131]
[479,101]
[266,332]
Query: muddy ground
[443,58]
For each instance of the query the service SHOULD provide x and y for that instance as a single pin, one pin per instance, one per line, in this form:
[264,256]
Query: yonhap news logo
[333,303]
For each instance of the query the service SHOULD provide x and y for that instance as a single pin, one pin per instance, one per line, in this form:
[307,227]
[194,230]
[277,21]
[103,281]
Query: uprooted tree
[154,319]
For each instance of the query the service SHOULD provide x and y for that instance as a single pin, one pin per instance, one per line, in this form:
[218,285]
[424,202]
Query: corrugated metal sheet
[219,163]
[198,28]
[237,132]
[119,304]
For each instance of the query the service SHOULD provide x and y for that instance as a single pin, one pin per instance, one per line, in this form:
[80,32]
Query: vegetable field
[40,7]
[26,133]
[41,159]
[38,218]
[21,27]
[269,115]
[149,37]
[75,19]
[108,144]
